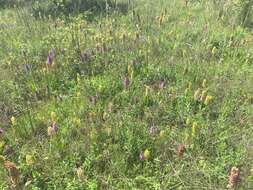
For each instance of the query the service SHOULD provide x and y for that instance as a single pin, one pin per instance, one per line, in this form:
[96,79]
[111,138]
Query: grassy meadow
[126,95]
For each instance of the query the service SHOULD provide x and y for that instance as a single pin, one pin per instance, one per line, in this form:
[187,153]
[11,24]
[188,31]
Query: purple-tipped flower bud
[152,130]
[55,127]
[126,81]
[50,57]
[141,156]
[162,85]
[62,50]
[1,131]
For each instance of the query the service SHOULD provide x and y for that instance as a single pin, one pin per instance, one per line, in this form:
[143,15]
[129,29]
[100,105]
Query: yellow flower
[29,160]
[146,154]
[13,121]
[78,94]
[251,172]
[203,95]
[194,129]
[53,116]
[2,160]
[197,94]
[208,100]
[214,50]
[204,83]
[162,134]
[77,121]
[147,90]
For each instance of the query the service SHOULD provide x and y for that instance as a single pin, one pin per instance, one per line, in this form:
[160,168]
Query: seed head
[234,177]
[181,150]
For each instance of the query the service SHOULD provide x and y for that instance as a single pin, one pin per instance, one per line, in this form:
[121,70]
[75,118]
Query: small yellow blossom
[78,94]
[78,79]
[203,95]
[208,100]
[29,159]
[162,134]
[147,90]
[194,129]
[204,83]
[53,116]
[214,50]
[2,160]
[77,121]
[146,154]
[13,121]
[197,94]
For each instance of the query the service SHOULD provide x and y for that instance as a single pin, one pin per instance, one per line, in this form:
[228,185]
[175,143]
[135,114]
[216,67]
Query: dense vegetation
[145,94]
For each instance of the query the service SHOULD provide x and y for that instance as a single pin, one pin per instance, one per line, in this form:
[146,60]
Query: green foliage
[68,7]
[158,98]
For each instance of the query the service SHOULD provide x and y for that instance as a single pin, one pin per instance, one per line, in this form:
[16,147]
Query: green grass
[198,51]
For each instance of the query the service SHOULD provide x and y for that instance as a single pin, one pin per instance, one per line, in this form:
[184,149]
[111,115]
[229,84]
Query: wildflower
[13,121]
[197,94]
[251,172]
[162,134]
[203,95]
[29,160]
[181,150]
[214,50]
[126,81]
[194,129]
[146,154]
[2,160]
[52,130]
[162,85]
[147,89]
[78,94]
[77,121]
[50,57]
[204,83]
[234,177]
[62,50]
[53,117]
[80,174]
[152,130]
[78,78]
[14,173]
[93,135]
[208,100]
[141,156]
[1,131]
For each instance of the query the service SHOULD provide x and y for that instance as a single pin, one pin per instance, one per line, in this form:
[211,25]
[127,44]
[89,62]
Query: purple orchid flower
[50,57]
